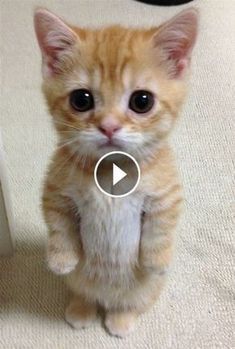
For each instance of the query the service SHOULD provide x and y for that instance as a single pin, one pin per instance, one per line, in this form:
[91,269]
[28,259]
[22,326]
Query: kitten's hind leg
[80,313]
[120,323]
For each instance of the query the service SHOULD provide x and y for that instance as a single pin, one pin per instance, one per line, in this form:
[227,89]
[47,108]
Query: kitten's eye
[141,101]
[81,100]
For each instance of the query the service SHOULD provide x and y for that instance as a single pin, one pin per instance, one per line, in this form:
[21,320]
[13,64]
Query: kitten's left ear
[56,40]
[175,40]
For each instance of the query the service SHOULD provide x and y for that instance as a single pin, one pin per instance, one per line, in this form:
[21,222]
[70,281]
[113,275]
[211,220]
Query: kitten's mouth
[110,144]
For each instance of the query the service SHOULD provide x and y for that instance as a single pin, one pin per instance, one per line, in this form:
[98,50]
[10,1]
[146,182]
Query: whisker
[73,168]
[67,131]
[64,163]
[66,124]
[67,143]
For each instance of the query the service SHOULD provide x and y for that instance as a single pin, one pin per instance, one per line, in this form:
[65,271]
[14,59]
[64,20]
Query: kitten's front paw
[61,262]
[120,324]
[79,314]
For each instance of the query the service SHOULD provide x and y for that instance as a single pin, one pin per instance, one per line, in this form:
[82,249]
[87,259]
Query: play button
[117,174]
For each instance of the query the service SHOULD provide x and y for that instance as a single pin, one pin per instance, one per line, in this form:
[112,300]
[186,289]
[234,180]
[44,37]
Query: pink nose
[109,129]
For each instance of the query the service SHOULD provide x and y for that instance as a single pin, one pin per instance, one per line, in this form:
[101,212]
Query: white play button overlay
[117,174]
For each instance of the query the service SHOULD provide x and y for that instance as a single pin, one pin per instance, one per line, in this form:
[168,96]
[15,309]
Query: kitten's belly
[110,233]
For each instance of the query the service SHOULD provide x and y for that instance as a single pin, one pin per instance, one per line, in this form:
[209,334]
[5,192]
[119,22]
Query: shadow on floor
[27,286]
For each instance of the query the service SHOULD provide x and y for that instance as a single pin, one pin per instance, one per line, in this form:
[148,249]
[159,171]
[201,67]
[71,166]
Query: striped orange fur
[114,253]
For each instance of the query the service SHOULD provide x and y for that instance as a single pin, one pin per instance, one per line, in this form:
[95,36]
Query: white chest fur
[110,227]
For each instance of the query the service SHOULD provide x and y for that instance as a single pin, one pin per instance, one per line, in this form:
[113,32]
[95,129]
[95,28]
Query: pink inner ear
[181,66]
[176,40]
[180,57]
[52,58]
[55,39]
[51,62]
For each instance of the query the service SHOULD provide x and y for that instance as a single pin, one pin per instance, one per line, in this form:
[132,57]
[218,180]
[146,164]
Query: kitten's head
[115,88]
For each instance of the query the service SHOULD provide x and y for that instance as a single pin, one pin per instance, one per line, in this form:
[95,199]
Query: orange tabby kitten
[112,89]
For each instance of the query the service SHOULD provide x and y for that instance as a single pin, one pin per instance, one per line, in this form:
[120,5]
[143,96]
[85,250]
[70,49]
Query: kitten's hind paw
[79,314]
[120,324]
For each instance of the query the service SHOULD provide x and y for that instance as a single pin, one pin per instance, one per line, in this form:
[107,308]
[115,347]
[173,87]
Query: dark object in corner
[165,2]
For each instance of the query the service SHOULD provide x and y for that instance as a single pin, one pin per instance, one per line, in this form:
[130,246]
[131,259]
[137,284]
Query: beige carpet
[196,309]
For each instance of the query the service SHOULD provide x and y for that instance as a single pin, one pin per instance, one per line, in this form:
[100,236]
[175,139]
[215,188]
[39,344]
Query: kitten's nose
[109,127]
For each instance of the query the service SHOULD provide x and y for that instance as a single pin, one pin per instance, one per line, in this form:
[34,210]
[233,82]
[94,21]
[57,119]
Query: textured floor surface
[196,309]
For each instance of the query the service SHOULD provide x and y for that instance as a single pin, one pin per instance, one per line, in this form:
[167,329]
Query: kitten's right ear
[175,41]
[56,40]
